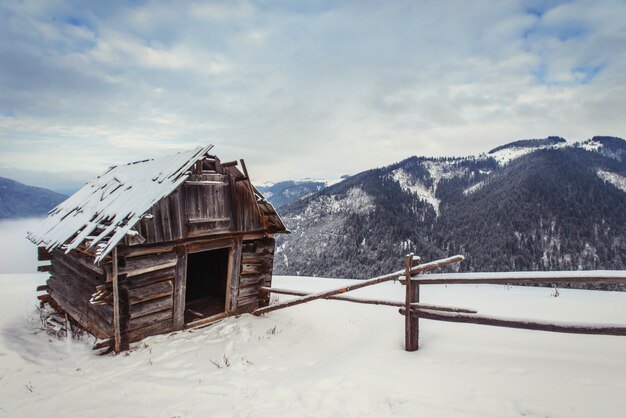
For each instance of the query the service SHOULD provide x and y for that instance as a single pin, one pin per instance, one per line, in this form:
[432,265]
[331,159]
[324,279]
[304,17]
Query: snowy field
[326,359]
[321,359]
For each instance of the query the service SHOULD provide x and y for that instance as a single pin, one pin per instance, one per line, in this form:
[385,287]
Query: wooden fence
[412,280]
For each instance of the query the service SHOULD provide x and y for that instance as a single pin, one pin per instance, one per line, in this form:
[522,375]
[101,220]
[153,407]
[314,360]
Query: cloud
[303,89]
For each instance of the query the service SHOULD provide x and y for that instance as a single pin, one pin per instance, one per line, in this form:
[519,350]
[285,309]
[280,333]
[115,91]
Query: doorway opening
[207,274]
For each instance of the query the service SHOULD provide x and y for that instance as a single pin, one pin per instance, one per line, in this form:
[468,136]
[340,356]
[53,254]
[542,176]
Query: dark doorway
[207,273]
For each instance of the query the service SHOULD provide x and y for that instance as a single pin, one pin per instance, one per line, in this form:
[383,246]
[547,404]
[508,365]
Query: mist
[17,254]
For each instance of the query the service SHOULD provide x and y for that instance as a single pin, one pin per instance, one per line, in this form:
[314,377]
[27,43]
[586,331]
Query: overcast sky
[300,88]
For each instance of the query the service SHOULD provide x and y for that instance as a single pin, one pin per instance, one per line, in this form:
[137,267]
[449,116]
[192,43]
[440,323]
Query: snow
[439,170]
[474,188]
[613,178]
[590,145]
[506,155]
[327,359]
[410,185]
[117,199]
[355,201]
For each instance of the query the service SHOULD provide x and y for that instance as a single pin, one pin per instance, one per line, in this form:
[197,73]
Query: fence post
[411,323]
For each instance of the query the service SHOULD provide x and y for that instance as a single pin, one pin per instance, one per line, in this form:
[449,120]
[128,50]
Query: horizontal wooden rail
[367,301]
[387,277]
[530,277]
[603,329]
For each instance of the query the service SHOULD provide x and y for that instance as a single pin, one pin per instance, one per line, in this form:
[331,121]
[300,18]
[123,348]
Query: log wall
[73,279]
[257,258]
[149,281]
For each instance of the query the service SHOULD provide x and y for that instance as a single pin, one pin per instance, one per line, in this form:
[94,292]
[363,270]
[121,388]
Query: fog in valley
[17,254]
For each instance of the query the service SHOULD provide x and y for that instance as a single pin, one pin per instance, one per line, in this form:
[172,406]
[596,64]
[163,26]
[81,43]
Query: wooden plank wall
[73,279]
[257,257]
[247,212]
[149,280]
[207,204]
[168,221]
[201,209]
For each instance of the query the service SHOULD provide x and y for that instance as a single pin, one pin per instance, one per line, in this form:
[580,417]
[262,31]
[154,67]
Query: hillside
[528,205]
[18,200]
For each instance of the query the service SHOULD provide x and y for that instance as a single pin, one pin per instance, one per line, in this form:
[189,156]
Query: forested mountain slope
[529,205]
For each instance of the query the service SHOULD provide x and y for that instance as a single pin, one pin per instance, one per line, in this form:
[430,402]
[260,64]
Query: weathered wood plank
[209,244]
[249,268]
[209,183]
[532,277]
[251,280]
[180,282]
[43,254]
[81,259]
[153,291]
[195,221]
[248,291]
[152,329]
[145,320]
[151,277]
[370,282]
[77,263]
[166,219]
[44,268]
[151,306]
[79,290]
[534,325]
[117,331]
[266,289]
[80,275]
[145,264]
[80,313]
[72,282]
[411,324]
[234,275]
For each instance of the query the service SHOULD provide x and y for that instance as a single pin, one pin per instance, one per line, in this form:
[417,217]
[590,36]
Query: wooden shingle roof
[107,208]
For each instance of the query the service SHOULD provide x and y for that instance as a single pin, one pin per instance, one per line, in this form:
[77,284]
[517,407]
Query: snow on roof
[108,207]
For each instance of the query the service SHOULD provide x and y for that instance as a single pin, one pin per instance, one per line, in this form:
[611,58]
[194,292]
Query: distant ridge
[529,205]
[530,143]
[18,200]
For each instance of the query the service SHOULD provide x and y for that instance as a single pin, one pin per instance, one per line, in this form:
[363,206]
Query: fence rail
[413,278]
[531,277]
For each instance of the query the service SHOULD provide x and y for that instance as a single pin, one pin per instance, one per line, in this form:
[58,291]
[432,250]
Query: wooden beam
[45,267]
[43,254]
[531,277]
[116,303]
[411,323]
[367,301]
[180,283]
[244,168]
[206,220]
[205,183]
[535,325]
[229,164]
[365,283]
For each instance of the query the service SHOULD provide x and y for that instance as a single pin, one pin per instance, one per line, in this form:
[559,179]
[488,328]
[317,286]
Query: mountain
[18,200]
[528,205]
[286,192]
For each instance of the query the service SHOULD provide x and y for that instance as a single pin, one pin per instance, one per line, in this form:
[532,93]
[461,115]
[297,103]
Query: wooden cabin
[159,245]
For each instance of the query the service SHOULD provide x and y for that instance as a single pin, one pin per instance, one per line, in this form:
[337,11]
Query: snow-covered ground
[327,359]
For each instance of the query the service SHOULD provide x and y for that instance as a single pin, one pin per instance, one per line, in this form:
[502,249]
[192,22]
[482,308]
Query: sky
[299,88]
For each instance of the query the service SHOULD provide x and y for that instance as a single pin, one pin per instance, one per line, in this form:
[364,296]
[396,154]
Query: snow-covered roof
[108,207]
